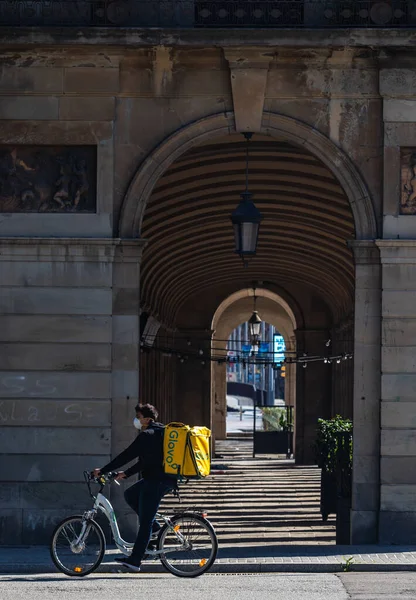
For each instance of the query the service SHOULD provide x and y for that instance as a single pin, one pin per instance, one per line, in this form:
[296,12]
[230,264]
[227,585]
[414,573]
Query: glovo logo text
[173,440]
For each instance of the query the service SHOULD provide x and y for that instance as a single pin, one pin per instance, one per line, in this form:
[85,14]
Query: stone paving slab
[248,559]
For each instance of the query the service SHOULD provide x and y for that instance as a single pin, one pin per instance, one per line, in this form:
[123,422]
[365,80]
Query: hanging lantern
[246,219]
[254,327]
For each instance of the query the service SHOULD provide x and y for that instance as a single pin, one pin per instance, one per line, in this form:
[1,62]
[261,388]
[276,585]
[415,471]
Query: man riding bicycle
[144,496]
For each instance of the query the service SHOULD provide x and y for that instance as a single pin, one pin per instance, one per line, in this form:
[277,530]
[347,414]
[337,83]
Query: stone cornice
[396,243]
[36,249]
[397,251]
[365,252]
[245,57]
[13,37]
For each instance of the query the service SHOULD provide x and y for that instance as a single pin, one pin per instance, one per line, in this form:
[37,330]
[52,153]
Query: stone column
[343,373]
[313,393]
[366,409]
[193,377]
[398,392]
[219,400]
[125,363]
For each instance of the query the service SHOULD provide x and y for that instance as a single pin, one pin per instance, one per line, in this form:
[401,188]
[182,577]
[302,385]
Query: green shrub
[330,450]
[274,418]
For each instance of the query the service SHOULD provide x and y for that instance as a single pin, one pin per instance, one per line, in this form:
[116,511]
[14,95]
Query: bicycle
[186,544]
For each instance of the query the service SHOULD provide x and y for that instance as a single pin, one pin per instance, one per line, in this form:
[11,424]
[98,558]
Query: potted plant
[333,451]
[277,432]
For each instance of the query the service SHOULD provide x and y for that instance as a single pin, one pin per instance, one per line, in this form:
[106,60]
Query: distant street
[289,586]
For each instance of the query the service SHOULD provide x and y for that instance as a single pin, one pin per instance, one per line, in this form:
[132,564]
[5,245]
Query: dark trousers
[144,498]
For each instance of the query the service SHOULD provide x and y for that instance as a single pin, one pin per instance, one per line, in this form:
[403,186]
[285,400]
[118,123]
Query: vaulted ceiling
[307,221]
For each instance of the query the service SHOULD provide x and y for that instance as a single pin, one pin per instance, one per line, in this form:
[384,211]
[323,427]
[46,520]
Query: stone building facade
[121,159]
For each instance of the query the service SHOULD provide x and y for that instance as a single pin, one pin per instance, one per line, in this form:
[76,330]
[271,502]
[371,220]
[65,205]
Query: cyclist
[144,496]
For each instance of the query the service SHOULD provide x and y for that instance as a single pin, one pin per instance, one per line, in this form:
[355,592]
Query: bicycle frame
[103,505]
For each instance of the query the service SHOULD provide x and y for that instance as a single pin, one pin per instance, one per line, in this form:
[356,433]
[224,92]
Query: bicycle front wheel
[189,548]
[77,546]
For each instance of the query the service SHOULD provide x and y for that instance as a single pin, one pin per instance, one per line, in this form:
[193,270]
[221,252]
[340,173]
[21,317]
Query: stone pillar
[158,374]
[366,409]
[290,397]
[125,363]
[219,400]
[313,393]
[193,378]
[398,392]
[343,373]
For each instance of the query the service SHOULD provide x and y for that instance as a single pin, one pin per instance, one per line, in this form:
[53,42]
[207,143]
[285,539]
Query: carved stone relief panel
[408,181]
[48,179]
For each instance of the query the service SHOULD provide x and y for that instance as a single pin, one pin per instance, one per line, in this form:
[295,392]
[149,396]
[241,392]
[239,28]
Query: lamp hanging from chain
[246,218]
[254,324]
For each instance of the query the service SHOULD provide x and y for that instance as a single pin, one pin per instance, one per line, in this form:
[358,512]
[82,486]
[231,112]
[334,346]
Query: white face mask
[137,423]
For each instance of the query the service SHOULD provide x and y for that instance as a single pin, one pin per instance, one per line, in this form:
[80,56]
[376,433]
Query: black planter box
[328,494]
[272,442]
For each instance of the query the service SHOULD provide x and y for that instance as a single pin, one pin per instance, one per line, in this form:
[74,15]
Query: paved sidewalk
[266,515]
[247,559]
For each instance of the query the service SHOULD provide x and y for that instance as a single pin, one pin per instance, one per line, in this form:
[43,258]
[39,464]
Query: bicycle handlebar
[105,477]
[102,480]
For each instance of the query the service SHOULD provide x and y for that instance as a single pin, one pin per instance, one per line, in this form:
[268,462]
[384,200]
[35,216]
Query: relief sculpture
[47,179]
[408,182]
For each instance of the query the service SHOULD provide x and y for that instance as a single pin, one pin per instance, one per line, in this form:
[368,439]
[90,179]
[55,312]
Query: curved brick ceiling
[307,220]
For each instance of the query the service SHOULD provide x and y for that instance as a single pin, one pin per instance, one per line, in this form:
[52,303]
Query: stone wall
[64,339]
[69,296]
[398,422]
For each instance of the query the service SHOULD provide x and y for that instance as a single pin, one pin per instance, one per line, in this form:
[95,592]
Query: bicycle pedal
[150,557]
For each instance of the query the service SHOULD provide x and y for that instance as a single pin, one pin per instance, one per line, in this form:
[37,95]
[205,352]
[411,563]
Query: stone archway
[367,289]
[197,133]
[232,312]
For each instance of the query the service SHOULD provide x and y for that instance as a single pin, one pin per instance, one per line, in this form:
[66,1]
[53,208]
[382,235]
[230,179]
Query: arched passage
[233,311]
[313,201]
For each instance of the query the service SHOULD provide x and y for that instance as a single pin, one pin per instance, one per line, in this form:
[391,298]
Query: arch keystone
[248,71]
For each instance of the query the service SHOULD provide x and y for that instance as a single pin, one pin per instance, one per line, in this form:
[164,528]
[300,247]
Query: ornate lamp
[246,219]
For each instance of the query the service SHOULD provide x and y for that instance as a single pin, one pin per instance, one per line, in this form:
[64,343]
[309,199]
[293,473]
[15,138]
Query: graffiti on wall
[48,179]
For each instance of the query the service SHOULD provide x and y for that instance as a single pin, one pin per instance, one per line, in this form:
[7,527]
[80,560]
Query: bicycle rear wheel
[196,550]
[77,546]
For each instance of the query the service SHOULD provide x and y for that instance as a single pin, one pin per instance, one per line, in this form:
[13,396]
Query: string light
[256,359]
[215,349]
[177,336]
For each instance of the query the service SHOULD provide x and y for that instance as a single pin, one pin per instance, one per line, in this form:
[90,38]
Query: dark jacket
[148,448]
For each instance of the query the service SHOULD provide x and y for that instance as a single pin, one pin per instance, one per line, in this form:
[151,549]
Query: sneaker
[128,562]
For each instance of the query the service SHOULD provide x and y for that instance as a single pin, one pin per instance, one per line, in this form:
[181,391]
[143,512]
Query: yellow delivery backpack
[186,451]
